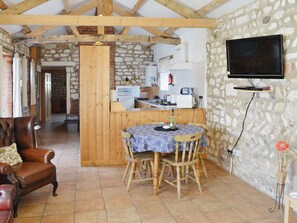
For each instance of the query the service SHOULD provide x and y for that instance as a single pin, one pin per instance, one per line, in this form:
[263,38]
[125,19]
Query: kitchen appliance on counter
[187,91]
[127,94]
[185,101]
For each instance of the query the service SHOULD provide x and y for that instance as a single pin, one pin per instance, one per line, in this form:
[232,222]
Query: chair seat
[170,158]
[29,173]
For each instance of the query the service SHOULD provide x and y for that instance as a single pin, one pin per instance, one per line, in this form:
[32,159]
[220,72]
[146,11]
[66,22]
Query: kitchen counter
[154,103]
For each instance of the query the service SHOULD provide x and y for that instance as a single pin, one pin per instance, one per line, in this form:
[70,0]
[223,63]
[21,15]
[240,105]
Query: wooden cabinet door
[94,105]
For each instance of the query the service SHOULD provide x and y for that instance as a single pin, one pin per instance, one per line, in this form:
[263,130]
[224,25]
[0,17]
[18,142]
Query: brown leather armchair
[7,194]
[36,170]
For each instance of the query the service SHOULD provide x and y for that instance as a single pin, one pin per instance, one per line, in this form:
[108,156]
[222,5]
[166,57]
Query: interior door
[48,95]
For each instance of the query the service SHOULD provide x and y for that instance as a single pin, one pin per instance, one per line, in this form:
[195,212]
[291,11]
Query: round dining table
[153,137]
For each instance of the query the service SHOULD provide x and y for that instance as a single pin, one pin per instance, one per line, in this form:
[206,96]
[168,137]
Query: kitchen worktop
[156,103]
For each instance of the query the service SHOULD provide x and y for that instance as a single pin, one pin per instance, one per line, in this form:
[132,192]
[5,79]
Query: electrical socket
[237,153]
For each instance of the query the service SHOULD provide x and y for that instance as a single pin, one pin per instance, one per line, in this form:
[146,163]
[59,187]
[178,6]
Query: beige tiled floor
[96,194]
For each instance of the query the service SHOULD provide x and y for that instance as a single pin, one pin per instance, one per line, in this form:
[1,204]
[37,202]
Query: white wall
[195,40]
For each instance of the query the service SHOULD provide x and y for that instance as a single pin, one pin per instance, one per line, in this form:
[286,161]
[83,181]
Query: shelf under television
[256,90]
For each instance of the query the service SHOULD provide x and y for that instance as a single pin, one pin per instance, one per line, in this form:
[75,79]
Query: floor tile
[89,205]
[86,194]
[31,210]
[149,210]
[118,215]
[59,208]
[91,217]
[182,207]
[20,219]
[65,218]
[118,201]
[224,216]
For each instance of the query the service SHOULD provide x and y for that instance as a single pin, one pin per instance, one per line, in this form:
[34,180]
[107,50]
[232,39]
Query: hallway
[96,194]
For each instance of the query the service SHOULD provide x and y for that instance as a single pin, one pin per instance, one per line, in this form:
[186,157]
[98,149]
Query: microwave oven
[185,101]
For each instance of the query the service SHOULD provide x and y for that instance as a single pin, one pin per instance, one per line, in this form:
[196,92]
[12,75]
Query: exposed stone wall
[58,86]
[64,53]
[6,40]
[130,62]
[272,116]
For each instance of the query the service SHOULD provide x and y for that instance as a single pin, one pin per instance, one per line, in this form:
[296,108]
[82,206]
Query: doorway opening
[54,95]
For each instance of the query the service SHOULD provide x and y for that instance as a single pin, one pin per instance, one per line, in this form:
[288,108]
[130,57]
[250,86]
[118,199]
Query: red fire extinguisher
[170,79]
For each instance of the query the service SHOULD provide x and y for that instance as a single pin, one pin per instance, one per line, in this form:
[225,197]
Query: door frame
[61,70]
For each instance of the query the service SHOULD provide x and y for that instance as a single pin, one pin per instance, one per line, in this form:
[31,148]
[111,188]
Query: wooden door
[94,105]
[48,95]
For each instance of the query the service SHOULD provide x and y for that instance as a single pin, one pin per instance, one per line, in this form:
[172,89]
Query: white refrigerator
[127,94]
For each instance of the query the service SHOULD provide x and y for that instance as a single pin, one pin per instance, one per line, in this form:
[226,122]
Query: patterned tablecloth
[145,138]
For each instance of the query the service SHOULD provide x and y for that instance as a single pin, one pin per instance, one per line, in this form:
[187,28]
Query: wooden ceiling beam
[99,38]
[202,11]
[107,7]
[179,9]
[133,12]
[23,6]
[74,20]
[99,10]
[155,31]
[3,6]
[104,8]
[67,11]
[77,11]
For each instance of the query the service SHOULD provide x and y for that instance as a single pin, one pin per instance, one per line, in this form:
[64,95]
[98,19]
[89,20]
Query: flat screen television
[256,57]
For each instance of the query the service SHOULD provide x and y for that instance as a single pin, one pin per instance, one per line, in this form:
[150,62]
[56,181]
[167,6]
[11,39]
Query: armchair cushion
[10,155]
[7,194]
[29,173]
[37,155]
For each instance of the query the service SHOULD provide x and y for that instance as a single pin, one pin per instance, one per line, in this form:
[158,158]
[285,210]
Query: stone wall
[130,62]
[6,40]
[271,116]
[64,53]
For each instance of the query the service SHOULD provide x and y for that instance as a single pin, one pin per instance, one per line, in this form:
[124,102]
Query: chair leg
[126,171]
[151,169]
[130,176]
[178,181]
[196,177]
[186,175]
[203,167]
[55,184]
[162,173]
[16,202]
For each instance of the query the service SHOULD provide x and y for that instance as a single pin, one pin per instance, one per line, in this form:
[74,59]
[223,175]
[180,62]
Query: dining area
[97,194]
[155,150]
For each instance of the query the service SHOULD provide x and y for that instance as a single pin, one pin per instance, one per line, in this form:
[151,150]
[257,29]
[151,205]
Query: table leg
[156,167]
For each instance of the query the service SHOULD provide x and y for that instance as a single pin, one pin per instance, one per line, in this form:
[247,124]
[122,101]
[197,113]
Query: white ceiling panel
[156,10]
[51,7]
[139,31]
[194,4]
[12,29]
[228,7]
